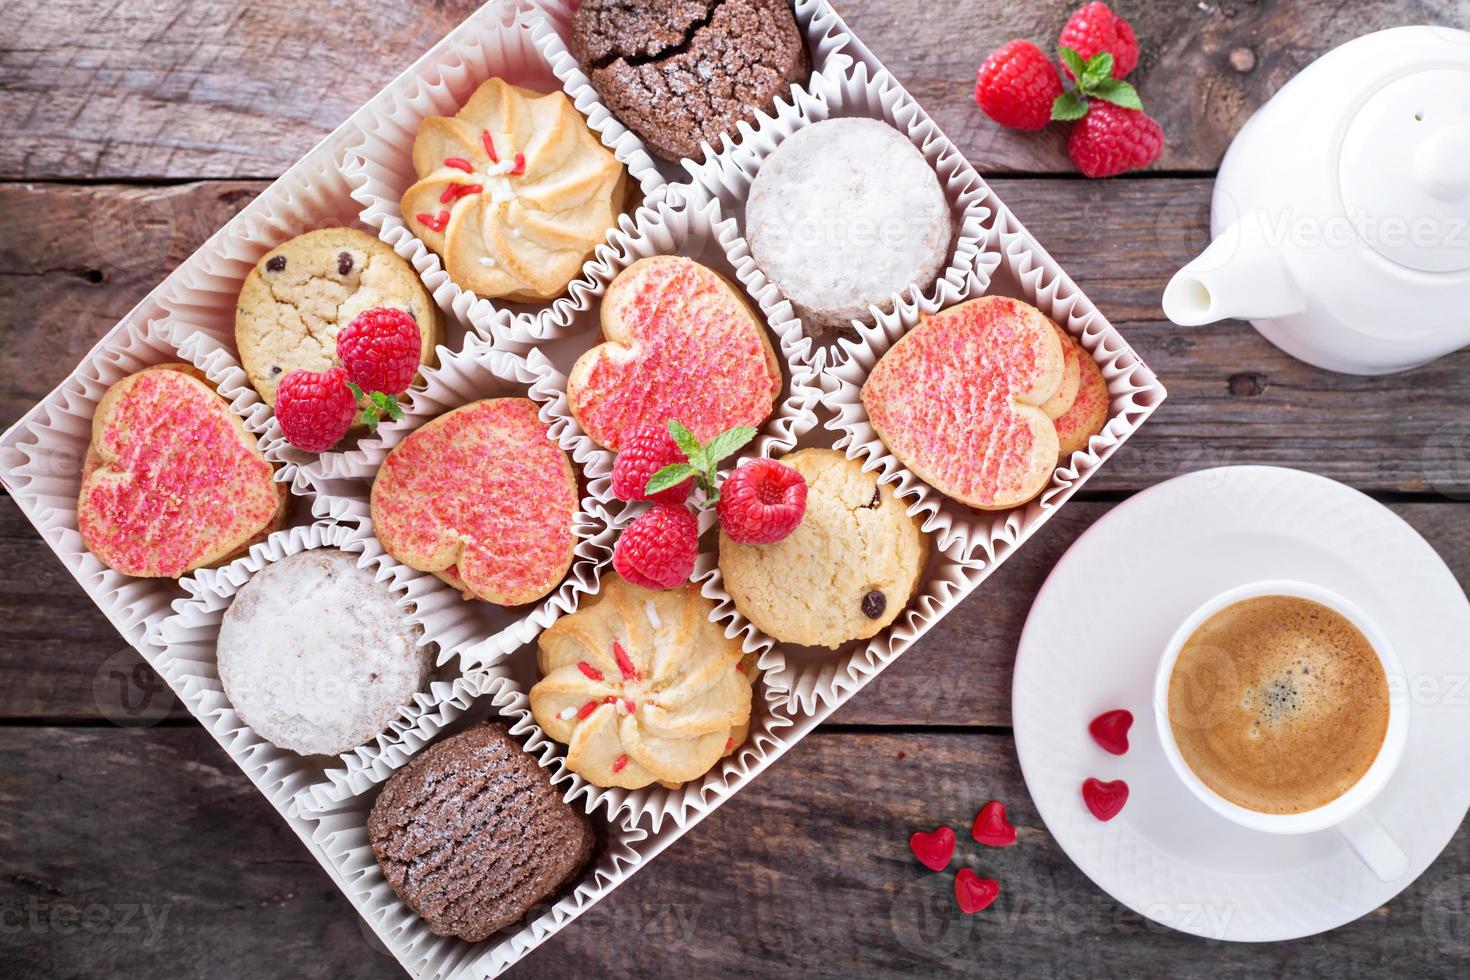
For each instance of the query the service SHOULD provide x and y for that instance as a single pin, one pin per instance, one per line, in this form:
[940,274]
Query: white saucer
[1093,640]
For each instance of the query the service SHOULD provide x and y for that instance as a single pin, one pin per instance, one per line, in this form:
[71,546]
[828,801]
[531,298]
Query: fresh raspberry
[380,350]
[1017,85]
[1110,140]
[315,408]
[648,449]
[1093,28]
[658,549]
[762,501]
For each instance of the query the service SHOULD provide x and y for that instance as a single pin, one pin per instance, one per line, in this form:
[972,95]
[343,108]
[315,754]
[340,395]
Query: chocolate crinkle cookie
[471,834]
[682,72]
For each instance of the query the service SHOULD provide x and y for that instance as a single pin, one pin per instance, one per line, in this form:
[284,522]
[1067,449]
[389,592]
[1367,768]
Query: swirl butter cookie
[302,293]
[846,572]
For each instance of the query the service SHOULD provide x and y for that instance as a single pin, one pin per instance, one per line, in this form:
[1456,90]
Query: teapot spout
[1240,276]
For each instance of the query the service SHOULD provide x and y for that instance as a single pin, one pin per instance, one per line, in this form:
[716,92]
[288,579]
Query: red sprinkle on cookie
[173,480]
[974,893]
[1089,412]
[934,848]
[1105,800]
[482,497]
[992,362]
[1110,730]
[682,343]
[991,827]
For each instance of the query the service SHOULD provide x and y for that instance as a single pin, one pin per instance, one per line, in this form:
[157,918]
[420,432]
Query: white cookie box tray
[486,660]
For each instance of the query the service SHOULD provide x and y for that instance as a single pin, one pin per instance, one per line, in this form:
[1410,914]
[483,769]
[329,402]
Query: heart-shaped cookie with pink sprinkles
[959,400]
[683,344]
[173,479]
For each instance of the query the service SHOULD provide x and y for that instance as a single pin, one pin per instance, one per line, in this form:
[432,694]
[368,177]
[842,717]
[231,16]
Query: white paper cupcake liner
[486,631]
[976,536]
[43,455]
[850,90]
[522,50]
[687,222]
[341,832]
[183,651]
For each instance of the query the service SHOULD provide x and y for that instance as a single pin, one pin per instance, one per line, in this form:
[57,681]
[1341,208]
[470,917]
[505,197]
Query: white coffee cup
[1348,813]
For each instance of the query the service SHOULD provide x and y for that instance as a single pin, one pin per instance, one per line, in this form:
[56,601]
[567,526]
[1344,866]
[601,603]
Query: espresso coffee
[1278,704]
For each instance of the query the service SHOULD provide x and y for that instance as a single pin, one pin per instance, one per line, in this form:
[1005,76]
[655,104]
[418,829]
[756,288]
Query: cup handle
[1372,843]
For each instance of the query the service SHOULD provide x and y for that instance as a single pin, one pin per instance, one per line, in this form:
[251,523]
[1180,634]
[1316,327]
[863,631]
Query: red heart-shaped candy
[1105,800]
[991,826]
[973,892]
[1110,730]
[933,849]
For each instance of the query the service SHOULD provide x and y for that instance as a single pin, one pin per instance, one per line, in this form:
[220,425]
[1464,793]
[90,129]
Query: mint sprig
[703,460]
[379,405]
[1094,80]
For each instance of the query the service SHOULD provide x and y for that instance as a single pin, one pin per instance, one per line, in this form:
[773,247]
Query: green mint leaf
[670,476]
[729,443]
[1099,69]
[1073,61]
[356,391]
[1118,93]
[685,440]
[1068,106]
[370,418]
[395,411]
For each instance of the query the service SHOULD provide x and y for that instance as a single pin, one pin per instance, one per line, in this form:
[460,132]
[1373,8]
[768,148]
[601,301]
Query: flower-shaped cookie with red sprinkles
[514,192]
[682,343]
[173,481]
[642,687]
[958,400]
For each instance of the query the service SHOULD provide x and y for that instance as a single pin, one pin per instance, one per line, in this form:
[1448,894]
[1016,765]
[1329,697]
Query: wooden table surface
[130,845]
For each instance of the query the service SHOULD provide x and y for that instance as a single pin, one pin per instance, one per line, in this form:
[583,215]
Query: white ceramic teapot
[1341,215]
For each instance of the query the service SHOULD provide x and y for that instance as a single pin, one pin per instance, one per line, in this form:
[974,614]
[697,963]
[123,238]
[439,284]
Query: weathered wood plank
[805,874]
[59,658]
[73,259]
[214,89]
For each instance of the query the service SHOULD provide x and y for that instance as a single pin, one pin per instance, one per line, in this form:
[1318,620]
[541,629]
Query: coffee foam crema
[1278,704]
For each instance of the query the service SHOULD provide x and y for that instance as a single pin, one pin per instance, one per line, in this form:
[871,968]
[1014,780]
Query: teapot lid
[1404,171]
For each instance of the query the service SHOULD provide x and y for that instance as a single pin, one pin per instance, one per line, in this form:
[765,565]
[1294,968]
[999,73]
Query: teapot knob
[1442,162]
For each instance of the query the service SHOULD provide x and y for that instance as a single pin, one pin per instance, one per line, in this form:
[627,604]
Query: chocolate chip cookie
[471,834]
[682,72]
[848,570]
[301,293]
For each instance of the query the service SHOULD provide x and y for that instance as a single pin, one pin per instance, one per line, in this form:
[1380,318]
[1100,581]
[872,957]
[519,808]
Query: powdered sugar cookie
[173,480]
[1089,411]
[483,498]
[682,344]
[958,400]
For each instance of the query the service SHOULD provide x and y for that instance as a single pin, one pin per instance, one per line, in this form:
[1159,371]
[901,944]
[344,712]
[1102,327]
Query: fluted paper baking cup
[380,164]
[43,455]
[976,536]
[687,222]
[341,832]
[844,91]
[488,631]
[185,653]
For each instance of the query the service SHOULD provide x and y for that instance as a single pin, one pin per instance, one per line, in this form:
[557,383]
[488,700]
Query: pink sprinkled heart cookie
[1057,405]
[682,343]
[173,480]
[1089,410]
[959,401]
[482,498]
